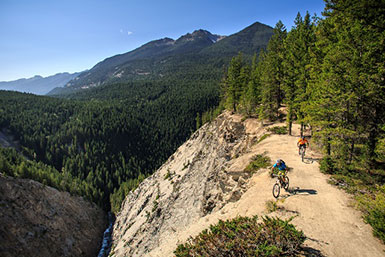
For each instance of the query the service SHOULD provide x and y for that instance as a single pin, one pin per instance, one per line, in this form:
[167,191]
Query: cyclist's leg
[280,175]
[299,149]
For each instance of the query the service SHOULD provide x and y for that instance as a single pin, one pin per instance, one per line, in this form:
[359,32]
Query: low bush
[259,161]
[374,211]
[278,130]
[327,165]
[244,236]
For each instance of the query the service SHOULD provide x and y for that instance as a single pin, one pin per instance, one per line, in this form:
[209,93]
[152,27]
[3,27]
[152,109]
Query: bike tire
[287,181]
[276,190]
[302,154]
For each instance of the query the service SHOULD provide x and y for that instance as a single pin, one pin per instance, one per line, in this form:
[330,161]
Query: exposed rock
[201,177]
[37,220]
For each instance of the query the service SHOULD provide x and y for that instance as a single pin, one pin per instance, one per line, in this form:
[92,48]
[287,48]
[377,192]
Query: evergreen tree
[272,73]
[298,44]
[252,94]
[234,83]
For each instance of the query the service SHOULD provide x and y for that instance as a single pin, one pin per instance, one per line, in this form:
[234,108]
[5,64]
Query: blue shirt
[281,166]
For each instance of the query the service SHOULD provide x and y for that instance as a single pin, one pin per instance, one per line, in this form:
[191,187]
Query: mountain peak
[161,42]
[199,35]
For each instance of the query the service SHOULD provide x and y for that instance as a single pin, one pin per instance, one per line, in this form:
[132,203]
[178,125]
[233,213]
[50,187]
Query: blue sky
[47,37]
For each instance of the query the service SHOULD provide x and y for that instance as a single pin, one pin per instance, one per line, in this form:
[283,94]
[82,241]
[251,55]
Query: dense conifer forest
[116,138]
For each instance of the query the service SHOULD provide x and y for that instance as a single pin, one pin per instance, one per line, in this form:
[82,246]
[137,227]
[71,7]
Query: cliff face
[201,177]
[37,220]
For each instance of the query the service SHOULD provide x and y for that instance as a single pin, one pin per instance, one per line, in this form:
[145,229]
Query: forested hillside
[117,137]
[330,75]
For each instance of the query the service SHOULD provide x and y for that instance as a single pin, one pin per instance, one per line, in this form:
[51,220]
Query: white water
[106,244]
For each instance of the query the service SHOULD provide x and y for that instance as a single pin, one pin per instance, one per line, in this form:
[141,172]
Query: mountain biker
[302,142]
[281,166]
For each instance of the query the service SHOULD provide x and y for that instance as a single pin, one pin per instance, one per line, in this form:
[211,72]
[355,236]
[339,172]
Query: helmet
[303,137]
[279,161]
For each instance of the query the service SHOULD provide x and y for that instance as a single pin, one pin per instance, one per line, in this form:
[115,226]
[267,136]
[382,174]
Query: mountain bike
[282,181]
[302,151]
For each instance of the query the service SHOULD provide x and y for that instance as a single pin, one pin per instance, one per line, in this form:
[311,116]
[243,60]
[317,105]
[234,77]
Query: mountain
[38,85]
[249,41]
[169,58]
[37,220]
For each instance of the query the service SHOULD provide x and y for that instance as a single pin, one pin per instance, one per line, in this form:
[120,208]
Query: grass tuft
[259,161]
[278,130]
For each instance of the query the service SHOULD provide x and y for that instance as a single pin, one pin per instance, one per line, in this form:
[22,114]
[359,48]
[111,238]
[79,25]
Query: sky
[40,37]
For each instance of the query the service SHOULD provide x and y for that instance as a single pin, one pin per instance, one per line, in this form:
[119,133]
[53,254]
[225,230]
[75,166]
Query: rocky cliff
[201,177]
[37,220]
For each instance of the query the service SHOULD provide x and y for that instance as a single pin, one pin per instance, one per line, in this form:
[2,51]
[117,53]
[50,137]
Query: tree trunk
[290,125]
[372,142]
[328,147]
[351,152]
[301,129]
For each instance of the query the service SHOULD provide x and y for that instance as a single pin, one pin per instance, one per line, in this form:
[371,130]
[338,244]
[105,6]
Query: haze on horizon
[49,37]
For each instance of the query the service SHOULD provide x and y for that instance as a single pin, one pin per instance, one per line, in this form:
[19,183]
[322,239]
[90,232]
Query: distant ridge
[38,85]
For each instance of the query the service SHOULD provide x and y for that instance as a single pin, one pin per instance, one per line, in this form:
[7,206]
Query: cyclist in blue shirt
[281,167]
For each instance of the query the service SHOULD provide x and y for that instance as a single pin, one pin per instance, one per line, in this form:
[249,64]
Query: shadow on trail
[311,252]
[299,191]
[310,160]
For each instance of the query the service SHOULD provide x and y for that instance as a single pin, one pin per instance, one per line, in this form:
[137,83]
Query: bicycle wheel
[276,189]
[286,182]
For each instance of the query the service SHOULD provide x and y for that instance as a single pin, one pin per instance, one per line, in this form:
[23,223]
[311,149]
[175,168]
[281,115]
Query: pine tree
[298,44]
[252,95]
[233,85]
[272,73]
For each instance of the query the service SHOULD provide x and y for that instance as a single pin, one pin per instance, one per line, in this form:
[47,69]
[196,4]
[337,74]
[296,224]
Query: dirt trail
[322,211]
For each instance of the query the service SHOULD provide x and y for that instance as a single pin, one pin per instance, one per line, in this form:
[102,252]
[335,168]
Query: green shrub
[271,206]
[244,236]
[374,211]
[168,175]
[263,137]
[327,165]
[258,162]
[278,130]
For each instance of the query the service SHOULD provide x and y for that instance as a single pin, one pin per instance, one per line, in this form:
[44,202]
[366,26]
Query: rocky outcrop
[201,177]
[37,220]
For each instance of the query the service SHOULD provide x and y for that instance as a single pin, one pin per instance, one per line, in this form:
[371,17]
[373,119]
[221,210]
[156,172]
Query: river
[107,237]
